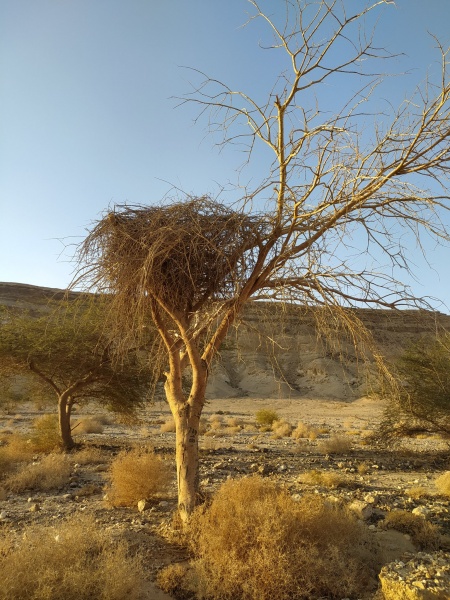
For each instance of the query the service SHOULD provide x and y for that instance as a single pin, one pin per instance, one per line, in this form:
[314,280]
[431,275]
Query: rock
[264,470]
[421,511]
[3,515]
[35,507]
[142,505]
[363,510]
[423,577]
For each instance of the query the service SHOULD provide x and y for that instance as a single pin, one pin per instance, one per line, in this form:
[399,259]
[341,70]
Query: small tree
[420,402]
[191,267]
[69,355]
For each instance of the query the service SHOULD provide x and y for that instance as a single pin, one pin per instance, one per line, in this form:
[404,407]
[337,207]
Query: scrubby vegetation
[137,475]
[74,560]
[254,542]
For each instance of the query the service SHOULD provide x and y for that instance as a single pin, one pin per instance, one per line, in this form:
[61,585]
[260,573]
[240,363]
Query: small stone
[35,507]
[421,511]
[3,515]
[163,504]
[142,505]
[363,510]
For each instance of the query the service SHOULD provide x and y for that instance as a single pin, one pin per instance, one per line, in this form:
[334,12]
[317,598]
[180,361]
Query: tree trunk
[187,423]
[64,410]
[186,413]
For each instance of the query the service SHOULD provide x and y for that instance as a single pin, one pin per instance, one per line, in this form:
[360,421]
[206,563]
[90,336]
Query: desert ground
[336,439]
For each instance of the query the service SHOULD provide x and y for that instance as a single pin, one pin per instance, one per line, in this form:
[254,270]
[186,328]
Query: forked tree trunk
[186,413]
[64,412]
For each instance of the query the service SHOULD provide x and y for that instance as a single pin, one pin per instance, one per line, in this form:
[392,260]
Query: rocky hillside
[280,352]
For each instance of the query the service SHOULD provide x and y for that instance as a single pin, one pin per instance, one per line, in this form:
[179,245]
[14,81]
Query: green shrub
[266,417]
[254,542]
[420,399]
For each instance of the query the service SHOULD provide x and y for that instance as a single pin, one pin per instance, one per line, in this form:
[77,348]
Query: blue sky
[87,117]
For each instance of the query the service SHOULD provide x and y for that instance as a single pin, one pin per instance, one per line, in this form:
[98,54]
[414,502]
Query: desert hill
[279,351]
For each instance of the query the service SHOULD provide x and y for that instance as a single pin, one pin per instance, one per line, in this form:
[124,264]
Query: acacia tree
[68,355]
[191,266]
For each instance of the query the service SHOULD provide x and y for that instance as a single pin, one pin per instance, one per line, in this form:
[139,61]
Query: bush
[443,484]
[337,444]
[423,534]
[254,542]
[420,402]
[137,475]
[325,478]
[52,472]
[281,429]
[72,561]
[88,425]
[13,451]
[45,436]
[266,417]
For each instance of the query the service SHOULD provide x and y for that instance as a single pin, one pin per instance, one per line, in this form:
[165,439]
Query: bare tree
[190,267]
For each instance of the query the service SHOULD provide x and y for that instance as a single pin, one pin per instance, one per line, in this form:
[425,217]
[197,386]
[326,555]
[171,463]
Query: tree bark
[186,413]
[64,412]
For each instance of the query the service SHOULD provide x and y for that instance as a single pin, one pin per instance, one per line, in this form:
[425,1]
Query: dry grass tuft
[337,444]
[281,429]
[45,435]
[75,560]
[168,426]
[416,492]
[137,475]
[52,472]
[327,479]
[89,456]
[423,534]
[13,451]
[442,484]
[88,425]
[266,417]
[254,542]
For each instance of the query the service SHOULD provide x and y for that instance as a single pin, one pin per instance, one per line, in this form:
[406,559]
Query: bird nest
[182,254]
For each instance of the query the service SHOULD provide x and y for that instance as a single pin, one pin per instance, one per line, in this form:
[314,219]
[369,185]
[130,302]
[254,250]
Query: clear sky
[87,117]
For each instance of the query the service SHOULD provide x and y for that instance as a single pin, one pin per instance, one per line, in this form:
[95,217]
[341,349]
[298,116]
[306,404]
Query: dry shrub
[266,417]
[417,492]
[301,431]
[337,444]
[168,426]
[137,475]
[88,425]
[75,560]
[234,422]
[423,534]
[45,436]
[442,484]
[281,429]
[14,451]
[52,472]
[89,456]
[254,542]
[324,478]
[233,430]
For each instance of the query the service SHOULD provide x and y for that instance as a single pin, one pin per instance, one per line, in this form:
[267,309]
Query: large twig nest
[180,254]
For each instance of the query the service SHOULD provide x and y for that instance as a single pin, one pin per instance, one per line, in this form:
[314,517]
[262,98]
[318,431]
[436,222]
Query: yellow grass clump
[75,560]
[51,472]
[254,542]
[443,484]
[336,444]
[137,475]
